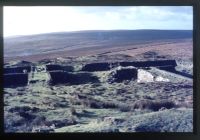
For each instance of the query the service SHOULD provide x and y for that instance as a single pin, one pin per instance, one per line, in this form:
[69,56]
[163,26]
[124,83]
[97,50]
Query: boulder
[161,79]
[144,76]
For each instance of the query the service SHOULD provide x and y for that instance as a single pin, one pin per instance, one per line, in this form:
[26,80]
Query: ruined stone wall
[17,79]
[53,67]
[59,67]
[150,63]
[96,67]
[17,69]
[60,77]
[167,64]
[16,76]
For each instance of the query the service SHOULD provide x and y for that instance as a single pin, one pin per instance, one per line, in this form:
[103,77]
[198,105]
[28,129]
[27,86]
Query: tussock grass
[153,105]
[139,104]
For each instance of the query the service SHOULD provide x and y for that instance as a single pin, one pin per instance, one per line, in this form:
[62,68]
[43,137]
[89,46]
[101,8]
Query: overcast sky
[28,20]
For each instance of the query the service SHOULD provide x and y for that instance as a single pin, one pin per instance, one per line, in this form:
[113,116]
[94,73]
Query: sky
[27,20]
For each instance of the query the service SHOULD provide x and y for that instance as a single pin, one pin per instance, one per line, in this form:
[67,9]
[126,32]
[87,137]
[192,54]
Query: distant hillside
[64,41]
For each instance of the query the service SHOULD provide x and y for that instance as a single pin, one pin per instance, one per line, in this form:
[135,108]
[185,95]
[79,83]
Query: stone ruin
[101,66]
[97,67]
[12,70]
[61,77]
[17,79]
[143,64]
[16,76]
[65,75]
[123,73]
[54,67]
[132,70]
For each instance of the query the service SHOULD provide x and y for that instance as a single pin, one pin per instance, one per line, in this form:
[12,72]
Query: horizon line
[74,31]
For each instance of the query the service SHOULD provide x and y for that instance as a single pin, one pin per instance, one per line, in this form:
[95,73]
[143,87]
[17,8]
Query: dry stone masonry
[119,72]
[16,76]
